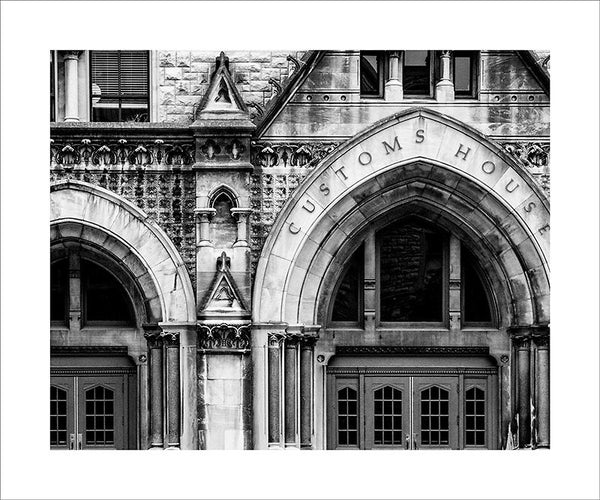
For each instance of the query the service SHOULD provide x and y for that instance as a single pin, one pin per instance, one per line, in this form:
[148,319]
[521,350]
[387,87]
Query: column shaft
[156,391]
[290,390]
[71,87]
[524,401]
[173,391]
[306,383]
[274,362]
[543,392]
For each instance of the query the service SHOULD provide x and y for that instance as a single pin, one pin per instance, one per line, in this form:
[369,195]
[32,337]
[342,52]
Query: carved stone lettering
[462,152]
[365,158]
[420,136]
[390,149]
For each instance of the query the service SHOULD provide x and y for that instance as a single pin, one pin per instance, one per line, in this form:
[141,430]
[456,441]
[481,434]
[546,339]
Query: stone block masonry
[183,78]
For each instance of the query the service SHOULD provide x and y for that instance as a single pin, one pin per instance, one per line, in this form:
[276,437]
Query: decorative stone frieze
[286,155]
[120,154]
[224,337]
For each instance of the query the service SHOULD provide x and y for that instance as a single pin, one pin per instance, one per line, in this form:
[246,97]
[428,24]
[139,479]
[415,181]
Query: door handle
[71,441]
[79,441]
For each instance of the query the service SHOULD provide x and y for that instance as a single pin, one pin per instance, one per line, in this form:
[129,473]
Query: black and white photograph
[311,254]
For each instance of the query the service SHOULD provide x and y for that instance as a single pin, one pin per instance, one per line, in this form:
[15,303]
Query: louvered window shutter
[120,87]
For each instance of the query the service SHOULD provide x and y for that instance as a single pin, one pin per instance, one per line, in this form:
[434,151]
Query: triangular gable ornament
[222,100]
[224,298]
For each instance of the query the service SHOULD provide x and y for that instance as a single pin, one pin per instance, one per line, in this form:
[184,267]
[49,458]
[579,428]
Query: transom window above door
[411,273]
[85,292]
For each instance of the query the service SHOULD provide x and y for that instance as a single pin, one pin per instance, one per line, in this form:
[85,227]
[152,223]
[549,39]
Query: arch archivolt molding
[426,164]
[101,219]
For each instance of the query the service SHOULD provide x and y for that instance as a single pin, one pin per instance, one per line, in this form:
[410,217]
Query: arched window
[84,289]
[411,269]
[104,298]
[414,285]
[347,305]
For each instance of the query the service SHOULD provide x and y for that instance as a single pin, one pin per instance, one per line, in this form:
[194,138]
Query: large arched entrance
[122,327]
[420,166]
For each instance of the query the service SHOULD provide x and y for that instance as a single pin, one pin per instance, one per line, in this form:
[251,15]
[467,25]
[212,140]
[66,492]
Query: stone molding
[414,350]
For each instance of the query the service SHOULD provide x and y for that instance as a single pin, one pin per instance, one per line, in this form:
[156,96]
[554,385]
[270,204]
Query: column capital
[291,341]
[240,213]
[204,214]
[72,54]
[275,339]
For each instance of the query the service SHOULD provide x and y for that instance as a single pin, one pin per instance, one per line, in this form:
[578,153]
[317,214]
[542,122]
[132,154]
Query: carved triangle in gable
[222,96]
[224,298]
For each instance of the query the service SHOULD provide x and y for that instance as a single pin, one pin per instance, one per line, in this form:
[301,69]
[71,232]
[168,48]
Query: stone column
[393,85]
[444,88]
[522,344]
[241,215]
[203,216]
[455,284]
[189,387]
[71,86]
[290,396]
[155,350]
[307,347]
[171,342]
[274,387]
[542,374]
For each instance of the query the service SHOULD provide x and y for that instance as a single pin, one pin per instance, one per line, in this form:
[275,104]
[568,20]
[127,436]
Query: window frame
[474,76]
[431,64]
[476,325]
[361,304]
[414,325]
[120,96]
[381,66]
[85,322]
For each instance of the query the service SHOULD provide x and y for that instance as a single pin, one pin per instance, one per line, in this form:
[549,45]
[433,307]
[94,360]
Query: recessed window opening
[465,74]
[347,304]
[371,74]
[417,73]
[120,85]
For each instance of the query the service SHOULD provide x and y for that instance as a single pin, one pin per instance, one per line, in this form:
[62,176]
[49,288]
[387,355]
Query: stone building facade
[315,250]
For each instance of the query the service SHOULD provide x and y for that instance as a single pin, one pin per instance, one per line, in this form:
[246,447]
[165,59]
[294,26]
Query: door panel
[101,412]
[61,412]
[89,412]
[435,412]
[387,412]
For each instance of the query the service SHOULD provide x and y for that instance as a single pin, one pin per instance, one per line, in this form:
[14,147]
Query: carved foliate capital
[541,339]
[275,339]
[308,341]
[152,334]
[521,341]
[291,341]
[170,339]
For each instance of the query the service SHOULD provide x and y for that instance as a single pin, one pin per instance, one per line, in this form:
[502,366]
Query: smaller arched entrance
[122,329]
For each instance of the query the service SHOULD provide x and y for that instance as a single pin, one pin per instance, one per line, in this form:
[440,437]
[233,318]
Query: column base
[71,119]
[444,91]
[394,90]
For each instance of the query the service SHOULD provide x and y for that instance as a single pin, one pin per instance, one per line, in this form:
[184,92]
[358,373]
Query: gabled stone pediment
[222,105]
[224,299]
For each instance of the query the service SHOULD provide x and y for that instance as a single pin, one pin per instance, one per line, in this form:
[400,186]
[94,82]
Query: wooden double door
[371,410]
[92,409]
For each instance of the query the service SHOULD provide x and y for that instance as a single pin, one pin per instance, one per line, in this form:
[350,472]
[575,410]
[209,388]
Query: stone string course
[184,77]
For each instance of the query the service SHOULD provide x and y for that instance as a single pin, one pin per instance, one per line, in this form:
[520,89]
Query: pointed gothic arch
[429,162]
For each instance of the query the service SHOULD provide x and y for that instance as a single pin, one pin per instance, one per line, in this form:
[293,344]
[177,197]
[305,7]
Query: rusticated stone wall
[184,76]
[167,197]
